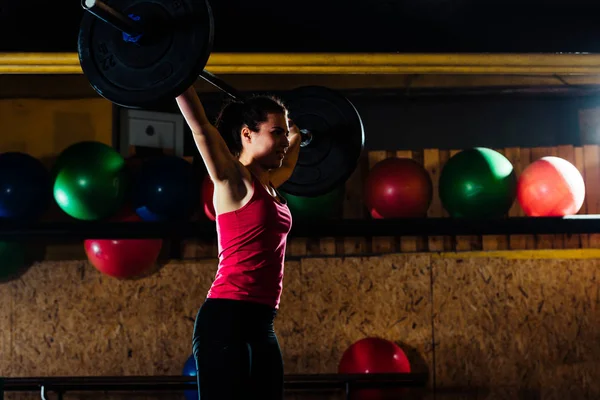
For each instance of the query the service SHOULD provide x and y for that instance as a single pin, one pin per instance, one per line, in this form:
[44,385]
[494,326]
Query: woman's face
[269,145]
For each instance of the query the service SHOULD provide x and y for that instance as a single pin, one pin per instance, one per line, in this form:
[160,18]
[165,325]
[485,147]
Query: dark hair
[250,112]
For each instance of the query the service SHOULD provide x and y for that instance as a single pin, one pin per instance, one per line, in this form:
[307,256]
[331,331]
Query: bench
[314,382]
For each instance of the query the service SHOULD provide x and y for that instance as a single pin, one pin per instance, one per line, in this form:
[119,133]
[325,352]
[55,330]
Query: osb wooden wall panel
[345,300]
[524,328]
[529,326]
[67,318]
[5,327]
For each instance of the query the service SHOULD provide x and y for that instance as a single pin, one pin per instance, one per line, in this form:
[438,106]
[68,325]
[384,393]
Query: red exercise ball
[551,187]
[207,198]
[398,188]
[374,355]
[123,258]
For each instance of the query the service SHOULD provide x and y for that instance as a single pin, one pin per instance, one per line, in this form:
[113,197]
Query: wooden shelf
[69,231]
[342,63]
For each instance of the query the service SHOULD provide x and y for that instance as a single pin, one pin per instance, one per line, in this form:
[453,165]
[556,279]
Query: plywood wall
[495,322]
[44,128]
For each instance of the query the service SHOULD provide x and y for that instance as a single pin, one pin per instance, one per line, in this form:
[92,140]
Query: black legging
[237,352]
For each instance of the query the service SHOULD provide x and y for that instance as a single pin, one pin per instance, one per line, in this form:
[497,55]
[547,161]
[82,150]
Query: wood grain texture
[526,325]
[352,298]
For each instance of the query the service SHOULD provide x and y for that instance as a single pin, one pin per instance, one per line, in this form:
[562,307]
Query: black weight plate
[337,140]
[158,68]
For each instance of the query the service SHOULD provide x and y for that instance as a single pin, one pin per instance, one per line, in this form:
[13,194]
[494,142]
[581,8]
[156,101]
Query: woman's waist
[249,268]
[251,253]
[234,315]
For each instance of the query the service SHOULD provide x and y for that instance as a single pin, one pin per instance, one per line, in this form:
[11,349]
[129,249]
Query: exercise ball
[165,190]
[373,355]
[189,369]
[90,182]
[398,188]
[207,198]
[478,182]
[12,260]
[123,258]
[551,187]
[325,206]
[25,187]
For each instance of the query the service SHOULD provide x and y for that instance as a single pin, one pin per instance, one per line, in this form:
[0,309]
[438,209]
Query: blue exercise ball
[165,190]
[189,369]
[25,187]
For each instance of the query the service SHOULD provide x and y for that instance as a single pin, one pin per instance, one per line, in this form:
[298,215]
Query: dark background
[345,26]
[448,122]
[392,120]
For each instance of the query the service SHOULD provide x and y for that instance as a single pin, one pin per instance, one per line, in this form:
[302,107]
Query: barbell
[147,52]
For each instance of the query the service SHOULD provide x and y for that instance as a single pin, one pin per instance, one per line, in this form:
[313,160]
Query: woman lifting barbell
[251,150]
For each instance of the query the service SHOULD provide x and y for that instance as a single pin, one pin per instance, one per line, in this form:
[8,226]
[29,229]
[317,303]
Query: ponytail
[229,121]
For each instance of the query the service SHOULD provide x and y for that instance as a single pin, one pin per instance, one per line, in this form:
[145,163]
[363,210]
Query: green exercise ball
[326,206]
[12,260]
[90,181]
[479,183]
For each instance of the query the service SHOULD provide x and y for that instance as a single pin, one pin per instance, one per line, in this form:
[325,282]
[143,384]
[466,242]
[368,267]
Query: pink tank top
[252,242]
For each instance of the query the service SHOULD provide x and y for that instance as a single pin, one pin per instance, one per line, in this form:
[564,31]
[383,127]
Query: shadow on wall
[17,258]
[418,364]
